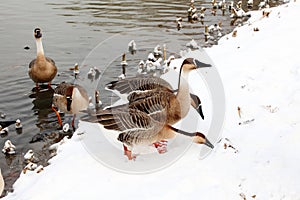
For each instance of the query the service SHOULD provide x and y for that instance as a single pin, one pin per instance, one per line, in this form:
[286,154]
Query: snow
[257,159]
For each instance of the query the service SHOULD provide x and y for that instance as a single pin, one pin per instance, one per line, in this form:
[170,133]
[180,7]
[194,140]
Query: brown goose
[148,116]
[129,88]
[138,128]
[69,98]
[42,69]
[162,98]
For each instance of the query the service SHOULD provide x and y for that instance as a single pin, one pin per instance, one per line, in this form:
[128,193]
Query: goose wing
[153,103]
[128,85]
[135,127]
[64,88]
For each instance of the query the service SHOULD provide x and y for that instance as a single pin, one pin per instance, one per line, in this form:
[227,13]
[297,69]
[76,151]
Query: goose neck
[39,47]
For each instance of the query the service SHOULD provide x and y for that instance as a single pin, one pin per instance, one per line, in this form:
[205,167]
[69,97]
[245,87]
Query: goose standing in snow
[42,69]
[148,116]
[69,98]
[139,128]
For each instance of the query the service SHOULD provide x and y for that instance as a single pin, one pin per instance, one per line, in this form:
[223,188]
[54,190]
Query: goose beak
[199,64]
[196,103]
[199,110]
[208,143]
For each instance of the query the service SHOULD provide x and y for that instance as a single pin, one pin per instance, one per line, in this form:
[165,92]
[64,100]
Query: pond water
[71,29]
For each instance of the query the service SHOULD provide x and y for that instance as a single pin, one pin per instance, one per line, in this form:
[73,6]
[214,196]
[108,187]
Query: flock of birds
[214,31]
[152,106]
[147,118]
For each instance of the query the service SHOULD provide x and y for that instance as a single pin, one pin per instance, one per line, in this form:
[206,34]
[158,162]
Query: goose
[148,116]
[144,91]
[134,87]
[69,98]
[135,127]
[42,69]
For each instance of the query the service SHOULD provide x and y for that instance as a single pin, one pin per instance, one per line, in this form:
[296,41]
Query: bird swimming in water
[42,69]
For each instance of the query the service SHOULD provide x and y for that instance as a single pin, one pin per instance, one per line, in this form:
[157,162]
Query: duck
[18,124]
[9,148]
[42,69]
[250,4]
[29,156]
[76,70]
[157,51]
[30,166]
[132,47]
[135,127]
[192,44]
[69,98]
[141,68]
[3,131]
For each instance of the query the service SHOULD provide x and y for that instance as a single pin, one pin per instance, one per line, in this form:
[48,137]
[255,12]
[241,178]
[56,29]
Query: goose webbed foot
[128,153]
[161,146]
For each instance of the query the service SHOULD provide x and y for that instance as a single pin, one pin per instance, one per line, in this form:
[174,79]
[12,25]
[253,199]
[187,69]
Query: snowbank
[257,157]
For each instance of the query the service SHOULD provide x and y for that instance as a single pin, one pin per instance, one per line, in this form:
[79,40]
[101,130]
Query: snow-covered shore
[257,157]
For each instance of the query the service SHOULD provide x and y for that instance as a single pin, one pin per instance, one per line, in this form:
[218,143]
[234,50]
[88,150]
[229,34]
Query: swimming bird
[18,124]
[132,47]
[42,69]
[9,148]
[135,127]
[3,131]
[141,68]
[69,98]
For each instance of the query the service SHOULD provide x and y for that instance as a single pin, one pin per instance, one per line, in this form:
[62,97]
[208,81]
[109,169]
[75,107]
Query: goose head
[199,138]
[190,64]
[37,33]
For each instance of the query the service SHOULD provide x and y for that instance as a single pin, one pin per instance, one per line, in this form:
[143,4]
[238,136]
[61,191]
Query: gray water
[71,29]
